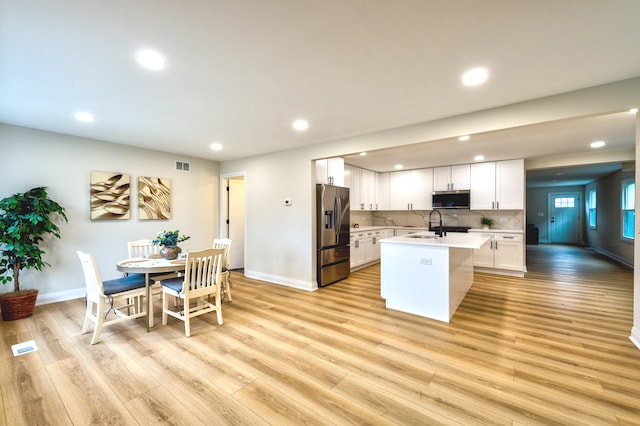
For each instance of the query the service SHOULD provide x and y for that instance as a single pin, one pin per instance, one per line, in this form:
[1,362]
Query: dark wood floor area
[552,348]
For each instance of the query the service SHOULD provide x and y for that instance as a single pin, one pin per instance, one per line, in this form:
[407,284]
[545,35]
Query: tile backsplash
[503,219]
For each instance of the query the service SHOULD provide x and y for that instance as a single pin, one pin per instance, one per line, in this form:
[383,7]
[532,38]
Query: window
[565,203]
[628,206]
[592,209]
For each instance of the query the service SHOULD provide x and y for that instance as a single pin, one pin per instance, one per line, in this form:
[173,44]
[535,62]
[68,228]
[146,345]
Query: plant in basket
[169,241]
[25,219]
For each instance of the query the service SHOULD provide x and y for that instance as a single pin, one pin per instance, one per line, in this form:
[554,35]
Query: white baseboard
[275,279]
[611,255]
[635,336]
[60,296]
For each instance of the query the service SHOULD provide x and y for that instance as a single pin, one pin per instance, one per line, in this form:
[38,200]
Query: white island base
[427,278]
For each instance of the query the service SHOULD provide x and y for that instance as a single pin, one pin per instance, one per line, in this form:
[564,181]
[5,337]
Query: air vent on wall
[183,166]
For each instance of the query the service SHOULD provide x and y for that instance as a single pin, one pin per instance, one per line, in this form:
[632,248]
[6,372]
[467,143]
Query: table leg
[149,301]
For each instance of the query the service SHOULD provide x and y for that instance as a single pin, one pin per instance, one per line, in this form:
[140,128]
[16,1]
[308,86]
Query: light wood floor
[550,348]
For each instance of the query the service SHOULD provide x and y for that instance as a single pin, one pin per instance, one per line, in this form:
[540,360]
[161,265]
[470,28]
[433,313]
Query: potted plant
[169,241]
[25,219]
[486,222]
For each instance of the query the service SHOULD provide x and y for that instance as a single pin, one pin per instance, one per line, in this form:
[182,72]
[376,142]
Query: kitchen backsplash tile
[503,219]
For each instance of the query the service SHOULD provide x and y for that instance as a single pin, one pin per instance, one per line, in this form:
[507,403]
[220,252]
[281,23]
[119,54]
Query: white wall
[63,163]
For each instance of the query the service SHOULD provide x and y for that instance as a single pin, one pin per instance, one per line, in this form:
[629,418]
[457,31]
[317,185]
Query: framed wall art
[154,198]
[110,196]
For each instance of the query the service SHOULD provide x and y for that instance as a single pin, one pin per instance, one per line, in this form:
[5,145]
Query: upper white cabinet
[363,188]
[497,185]
[410,189]
[382,191]
[352,181]
[367,189]
[452,178]
[330,171]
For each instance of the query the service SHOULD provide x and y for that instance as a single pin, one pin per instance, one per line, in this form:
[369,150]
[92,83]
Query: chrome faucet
[440,231]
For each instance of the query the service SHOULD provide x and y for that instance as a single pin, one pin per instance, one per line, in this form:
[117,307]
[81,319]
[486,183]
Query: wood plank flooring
[552,348]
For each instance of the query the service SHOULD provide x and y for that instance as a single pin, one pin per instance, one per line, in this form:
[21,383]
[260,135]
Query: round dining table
[150,268]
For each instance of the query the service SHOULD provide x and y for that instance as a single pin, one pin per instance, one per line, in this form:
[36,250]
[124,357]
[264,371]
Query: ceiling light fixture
[216,146]
[475,77]
[478,157]
[151,60]
[300,125]
[633,110]
[398,166]
[362,154]
[597,144]
[464,138]
[85,117]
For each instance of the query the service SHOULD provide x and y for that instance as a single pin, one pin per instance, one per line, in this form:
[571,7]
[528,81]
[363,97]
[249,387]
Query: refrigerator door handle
[338,212]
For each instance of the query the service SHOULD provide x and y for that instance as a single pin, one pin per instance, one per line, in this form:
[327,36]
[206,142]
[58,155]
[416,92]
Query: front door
[565,220]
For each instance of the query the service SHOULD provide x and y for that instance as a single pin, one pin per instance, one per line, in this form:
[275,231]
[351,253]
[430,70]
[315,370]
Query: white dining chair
[199,285]
[122,297]
[225,243]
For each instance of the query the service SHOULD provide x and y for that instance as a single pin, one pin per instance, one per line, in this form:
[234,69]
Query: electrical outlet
[425,261]
[504,219]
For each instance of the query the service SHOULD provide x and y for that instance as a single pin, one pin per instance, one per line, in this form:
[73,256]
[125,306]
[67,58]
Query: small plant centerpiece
[25,219]
[486,222]
[169,241]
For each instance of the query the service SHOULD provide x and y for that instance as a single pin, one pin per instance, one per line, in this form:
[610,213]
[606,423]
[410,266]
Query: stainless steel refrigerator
[333,230]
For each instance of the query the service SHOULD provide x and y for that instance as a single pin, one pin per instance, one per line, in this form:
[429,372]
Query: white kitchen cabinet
[352,181]
[363,188]
[330,171]
[410,189]
[370,248]
[367,189]
[357,253]
[497,185]
[452,178]
[365,246]
[382,191]
[504,251]
[510,182]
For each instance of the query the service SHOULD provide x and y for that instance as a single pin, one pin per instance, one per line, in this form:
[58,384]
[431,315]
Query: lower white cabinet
[503,251]
[356,249]
[365,246]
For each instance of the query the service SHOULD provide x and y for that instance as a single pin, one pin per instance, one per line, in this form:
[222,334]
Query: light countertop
[473,240]
[418,229]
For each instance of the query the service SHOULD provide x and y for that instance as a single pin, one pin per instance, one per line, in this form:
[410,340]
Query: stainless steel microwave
[451,200]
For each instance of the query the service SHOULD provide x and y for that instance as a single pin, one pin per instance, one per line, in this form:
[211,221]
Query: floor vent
[183,166]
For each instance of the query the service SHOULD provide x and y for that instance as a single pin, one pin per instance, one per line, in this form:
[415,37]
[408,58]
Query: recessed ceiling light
[597,144]
[475,76]
[363,154]
[464,138]
[151,59]
[85,117]
[301,125]
[633,110]
[479,157]
[398,166]
[216,146]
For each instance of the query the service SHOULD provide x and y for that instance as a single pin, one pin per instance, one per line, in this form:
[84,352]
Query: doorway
[565,220]
[232,223]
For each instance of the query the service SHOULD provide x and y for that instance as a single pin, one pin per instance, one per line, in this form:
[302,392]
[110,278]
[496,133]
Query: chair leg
[227,285]
[99,321]
[219,310]
[187,320]
[165,306]
[87,317]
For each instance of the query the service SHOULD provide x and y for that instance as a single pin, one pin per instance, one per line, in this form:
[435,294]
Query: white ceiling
[239,72]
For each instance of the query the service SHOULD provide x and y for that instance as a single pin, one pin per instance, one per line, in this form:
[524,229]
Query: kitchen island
[428,275]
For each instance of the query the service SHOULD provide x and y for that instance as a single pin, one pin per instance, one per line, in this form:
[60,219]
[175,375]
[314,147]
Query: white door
[235,220]
[565,220]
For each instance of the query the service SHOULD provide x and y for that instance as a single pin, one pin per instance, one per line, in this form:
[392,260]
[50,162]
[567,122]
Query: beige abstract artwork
[110,196]
[154,198]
